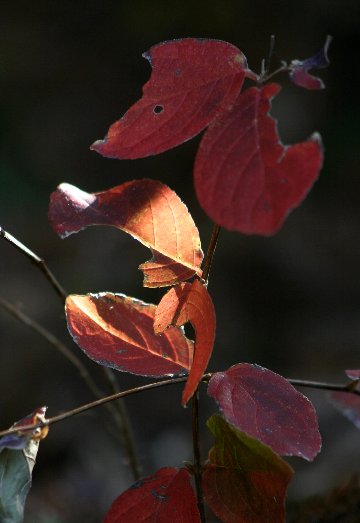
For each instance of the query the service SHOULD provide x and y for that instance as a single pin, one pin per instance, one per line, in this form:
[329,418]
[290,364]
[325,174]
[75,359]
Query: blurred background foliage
[290,303]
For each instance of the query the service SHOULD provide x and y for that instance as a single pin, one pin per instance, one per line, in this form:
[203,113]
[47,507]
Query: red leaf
[149,211]
[245,179]
[117,331]
[267,407]
[191,81]
[165,497]
[190,303]
[245,481]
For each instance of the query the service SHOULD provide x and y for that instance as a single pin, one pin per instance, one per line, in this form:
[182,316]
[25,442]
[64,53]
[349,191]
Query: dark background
[290,303]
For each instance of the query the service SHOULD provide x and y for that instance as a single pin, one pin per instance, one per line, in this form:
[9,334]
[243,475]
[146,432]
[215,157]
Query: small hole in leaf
[158,109]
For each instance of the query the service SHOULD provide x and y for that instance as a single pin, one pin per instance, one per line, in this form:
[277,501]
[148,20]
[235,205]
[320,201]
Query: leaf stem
[210,253]
[37,261]
[196,455]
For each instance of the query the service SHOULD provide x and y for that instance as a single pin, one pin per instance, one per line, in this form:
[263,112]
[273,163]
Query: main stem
[196,454]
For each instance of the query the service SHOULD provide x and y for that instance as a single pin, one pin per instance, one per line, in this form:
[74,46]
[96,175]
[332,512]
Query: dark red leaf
[245,178]
[267,407]
[299,69]
[149,211]
[117,331]
[190,303]
[191,81]
[244,480]
[165,497]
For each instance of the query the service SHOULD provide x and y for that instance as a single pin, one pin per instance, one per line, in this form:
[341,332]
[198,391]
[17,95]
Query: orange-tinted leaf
[148,210]
[245,179]
[165,497]
[267,407]
[117,331]
[20,439]
[191,81]
[190,302]
[244,481]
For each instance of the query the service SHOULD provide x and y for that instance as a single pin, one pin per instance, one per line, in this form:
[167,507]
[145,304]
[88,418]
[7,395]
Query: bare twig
[37,261]
[196,455]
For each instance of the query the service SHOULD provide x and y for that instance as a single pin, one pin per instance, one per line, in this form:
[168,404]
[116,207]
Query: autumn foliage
[245,180]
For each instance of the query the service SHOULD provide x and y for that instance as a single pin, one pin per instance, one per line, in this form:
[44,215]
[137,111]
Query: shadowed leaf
[190,302]
[165,497]
[245,178]
[346,402]
[117,331]
[244,481]
[20,440]
[267,407]
[191,81]
[147,210]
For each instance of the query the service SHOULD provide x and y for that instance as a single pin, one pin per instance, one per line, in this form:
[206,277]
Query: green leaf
[244,480]
[15,481]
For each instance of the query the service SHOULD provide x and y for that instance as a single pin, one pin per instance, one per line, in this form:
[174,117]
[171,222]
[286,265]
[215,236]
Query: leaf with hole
[192,80]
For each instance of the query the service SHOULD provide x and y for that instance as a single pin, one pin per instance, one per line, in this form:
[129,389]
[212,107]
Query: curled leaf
[166,496]
[192,80]
[190,302]
[117,331]
[299,69]
[245,178]
[147,210]
[244,480]
[267,407]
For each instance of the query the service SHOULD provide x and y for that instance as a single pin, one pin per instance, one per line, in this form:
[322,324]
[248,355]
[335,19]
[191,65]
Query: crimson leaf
[165,497]
[148,210]
[245,178]
[244,481]
[191,81]
[267,407]
[117,331]
[190,303]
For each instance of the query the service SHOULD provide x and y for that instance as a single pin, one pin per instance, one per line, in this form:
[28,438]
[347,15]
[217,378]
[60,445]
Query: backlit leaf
[148,210]
[267,407]
[244,481]
[117,331]
[191,81]
[165,497]
[245,178]
[299,69]
[190,302]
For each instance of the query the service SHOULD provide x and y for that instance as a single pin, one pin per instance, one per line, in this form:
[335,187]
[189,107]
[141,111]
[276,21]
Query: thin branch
[123,421]
[55,342]
[37,261]
[196,455]
[347,387]
[210,253]
[92,405]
